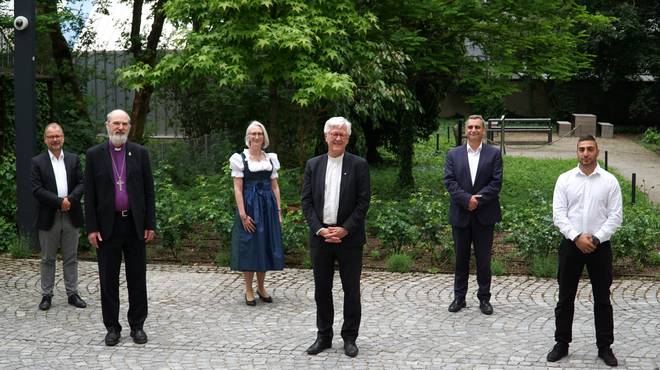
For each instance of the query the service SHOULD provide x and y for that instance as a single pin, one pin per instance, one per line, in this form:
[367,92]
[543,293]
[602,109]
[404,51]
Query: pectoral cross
[120,183]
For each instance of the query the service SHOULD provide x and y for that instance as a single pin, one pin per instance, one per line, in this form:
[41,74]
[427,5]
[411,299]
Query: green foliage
[223,258]
[497,267]
[9,234]
[651,136]
[543,266]
[639,235]
[399,262]
[393,225]
[295,232]
[8,186]
[375,254]
[20,247]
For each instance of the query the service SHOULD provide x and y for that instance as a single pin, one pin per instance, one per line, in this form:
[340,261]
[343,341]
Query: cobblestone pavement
[197,320]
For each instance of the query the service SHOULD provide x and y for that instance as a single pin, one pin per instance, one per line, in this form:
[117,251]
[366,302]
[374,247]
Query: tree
[144,55]
[628,51]
[292,48]
[475,46]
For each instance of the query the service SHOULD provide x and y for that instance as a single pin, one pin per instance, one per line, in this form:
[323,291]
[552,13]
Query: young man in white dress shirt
[587,209]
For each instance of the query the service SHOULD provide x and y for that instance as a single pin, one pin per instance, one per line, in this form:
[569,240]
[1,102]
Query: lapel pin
[130,154]
[345,173]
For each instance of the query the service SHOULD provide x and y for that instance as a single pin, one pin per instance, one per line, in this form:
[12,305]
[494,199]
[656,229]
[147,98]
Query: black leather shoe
[112,338]
[45,302]
[268,299]
[139,336]
[319,346]
[75,300]
[457,304]
[250,303]
[350,349]
[485,307]
[559,351]
[608,357]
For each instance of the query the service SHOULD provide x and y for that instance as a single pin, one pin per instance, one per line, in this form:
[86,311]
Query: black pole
[437,143]
[606,160]
[448,129]
[25,102]
[634,187]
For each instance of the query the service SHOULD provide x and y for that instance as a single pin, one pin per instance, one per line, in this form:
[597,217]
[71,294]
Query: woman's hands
[248,223]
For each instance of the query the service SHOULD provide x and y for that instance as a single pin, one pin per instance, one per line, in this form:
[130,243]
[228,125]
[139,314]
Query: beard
[117,139]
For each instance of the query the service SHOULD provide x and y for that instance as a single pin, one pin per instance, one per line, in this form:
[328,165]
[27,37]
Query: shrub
[651,136]
[295,232]
[20,248]
[399,262]
[8,232]
[8,186]
[222,258]
[543,266]
[639,234]
[497,267]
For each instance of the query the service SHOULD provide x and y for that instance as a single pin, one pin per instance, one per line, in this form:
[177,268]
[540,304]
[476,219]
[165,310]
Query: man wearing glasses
[57,185]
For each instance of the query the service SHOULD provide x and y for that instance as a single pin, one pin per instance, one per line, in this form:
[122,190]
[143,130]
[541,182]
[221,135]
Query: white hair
[263,129]
[107,118]
[337,122]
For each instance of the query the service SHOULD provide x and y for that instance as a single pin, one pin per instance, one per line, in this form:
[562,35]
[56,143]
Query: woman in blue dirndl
[256,245]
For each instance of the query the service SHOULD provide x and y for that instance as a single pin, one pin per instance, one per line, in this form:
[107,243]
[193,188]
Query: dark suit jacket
[44,189]
[100,189]
[488,183]
[354,198]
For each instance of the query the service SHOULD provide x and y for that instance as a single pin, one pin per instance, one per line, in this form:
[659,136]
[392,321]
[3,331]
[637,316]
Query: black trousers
[599,267]
[123,241]
[481,236]
[350,268]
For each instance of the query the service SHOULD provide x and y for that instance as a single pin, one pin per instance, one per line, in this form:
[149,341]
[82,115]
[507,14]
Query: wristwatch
[595,241]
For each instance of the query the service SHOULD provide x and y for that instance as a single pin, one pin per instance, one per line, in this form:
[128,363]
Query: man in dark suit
[57,185]
[473,177]
[120,215]
[335,200]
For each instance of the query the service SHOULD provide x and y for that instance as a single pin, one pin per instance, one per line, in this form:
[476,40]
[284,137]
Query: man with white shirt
[335,199]
[57,185]
[586,207]
[473,177]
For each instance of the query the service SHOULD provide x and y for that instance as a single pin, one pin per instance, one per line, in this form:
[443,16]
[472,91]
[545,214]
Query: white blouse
[236,164]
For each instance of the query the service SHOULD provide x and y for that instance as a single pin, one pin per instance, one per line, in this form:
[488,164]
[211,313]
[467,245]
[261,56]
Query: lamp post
[25,103]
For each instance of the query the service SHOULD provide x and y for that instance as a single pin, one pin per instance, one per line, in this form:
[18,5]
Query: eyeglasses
[54,137]
[339,135]
[256,134]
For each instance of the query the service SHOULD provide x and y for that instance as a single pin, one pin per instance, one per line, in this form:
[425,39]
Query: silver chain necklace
[119,175]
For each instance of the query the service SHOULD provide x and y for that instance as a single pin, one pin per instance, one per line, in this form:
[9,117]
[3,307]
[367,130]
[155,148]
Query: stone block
[584,124]
[563,128]
[606,130]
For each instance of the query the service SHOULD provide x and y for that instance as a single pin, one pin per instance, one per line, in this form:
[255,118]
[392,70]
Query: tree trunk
[406,153]
[372,139]
[142,99]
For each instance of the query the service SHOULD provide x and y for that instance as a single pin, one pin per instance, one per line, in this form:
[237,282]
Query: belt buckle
[124,213]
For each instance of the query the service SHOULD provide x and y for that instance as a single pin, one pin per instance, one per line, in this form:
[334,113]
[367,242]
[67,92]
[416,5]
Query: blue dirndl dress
[260,250]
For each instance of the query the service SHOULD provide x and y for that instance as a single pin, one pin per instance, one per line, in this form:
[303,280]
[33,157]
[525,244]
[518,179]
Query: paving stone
[197,320]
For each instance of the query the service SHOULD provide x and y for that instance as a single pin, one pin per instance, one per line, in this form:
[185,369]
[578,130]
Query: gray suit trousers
[63,234]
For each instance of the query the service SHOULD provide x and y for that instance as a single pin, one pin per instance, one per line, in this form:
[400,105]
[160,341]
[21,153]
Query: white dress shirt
[473,160]
[332,186]
[60,174]
[587,204]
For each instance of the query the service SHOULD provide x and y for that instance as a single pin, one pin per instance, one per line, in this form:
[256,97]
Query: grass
[497,267]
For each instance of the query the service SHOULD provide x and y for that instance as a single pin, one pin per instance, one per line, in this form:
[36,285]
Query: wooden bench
[531,125]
